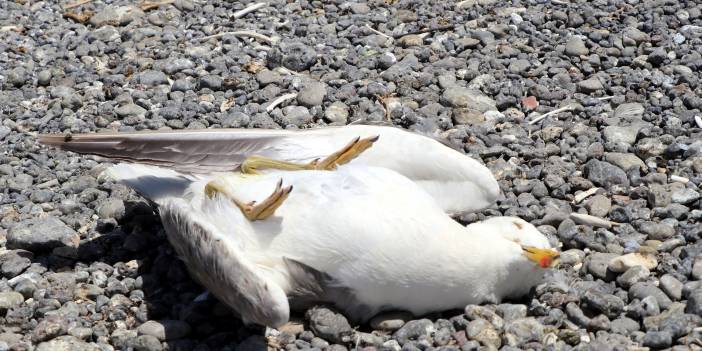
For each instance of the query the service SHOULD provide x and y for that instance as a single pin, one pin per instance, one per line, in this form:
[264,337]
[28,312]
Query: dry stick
[154,5]
[586,219]
[279,100]
[426,30]
[584,195]
[558,110]
[679,179]
[246,11]
[242,33]
[76,4]
[81,18]
[379,32]
[11,29]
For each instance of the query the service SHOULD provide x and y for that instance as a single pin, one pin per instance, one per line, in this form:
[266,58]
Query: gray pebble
[266,77]
[521,331]
[605,174]
[576,47]
[632,276]
[152,78]
[66,343]
[312,95]
[17,76]
[671,286]
[597,264]
[337,113]
[510,312]
[10,299]
[329,325]
[49,328]
[147,343]
[41,234]
[657,339]
[624,161]
[298,115]
[164,330]
[482,331]
[657,231]
[391,321]
[642,290]
[130,110]
[463,97]
[111,208]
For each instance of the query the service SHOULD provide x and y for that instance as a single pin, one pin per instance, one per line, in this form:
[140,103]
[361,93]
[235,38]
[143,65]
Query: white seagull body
[366,239]
[458,183]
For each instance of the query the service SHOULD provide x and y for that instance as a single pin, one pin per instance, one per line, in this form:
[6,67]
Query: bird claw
[253,164]
[252,210]
[345,154]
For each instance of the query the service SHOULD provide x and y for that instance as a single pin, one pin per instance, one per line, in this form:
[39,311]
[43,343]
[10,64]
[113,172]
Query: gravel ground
[84,263]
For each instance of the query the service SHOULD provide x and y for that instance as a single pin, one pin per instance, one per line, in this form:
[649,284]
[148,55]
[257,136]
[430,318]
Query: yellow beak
[545,258]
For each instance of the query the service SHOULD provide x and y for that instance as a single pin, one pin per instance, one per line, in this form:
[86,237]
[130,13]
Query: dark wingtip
[54,139]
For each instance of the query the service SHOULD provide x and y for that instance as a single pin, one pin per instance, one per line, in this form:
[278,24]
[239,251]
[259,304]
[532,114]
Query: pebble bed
[612,175]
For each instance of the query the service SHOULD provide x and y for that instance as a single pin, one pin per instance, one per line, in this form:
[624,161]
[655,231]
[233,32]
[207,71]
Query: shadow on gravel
[147,271]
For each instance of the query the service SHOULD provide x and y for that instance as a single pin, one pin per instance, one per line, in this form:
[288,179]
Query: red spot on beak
[545,262]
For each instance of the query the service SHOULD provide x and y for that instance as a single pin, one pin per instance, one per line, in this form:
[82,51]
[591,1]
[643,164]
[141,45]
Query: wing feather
[221,267]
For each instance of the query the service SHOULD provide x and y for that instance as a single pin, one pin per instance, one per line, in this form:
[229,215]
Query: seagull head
[535,246]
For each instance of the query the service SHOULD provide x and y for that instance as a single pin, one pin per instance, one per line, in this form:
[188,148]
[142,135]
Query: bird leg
[344,155]
[251,210]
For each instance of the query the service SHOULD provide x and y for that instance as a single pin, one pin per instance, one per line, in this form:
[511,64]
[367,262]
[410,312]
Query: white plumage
[363,238]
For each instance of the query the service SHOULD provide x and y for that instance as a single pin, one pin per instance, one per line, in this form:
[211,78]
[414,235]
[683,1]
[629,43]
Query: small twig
[379,32]
[558,110]
[586,219]
[15,29]
[80,18]
[426,30]
[76,4]
[605,98]
[246,11]
[679,179]
[242,33]
[47,184]
[146,6]
[279,100]
[284,70]
[584,195]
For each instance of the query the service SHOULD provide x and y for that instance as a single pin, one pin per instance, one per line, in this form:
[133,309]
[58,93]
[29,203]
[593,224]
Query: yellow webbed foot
[253,164]
[345,154]
[252,211]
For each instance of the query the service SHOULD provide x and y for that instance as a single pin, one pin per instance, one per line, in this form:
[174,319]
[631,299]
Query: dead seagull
[365,239]
[457,182]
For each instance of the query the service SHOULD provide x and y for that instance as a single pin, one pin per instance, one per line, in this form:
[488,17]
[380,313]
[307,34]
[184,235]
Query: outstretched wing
[459,183]
[223,268]
[194,151]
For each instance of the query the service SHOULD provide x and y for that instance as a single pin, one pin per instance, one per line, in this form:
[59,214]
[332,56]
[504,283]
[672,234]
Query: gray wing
[223,269]
[194,151]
